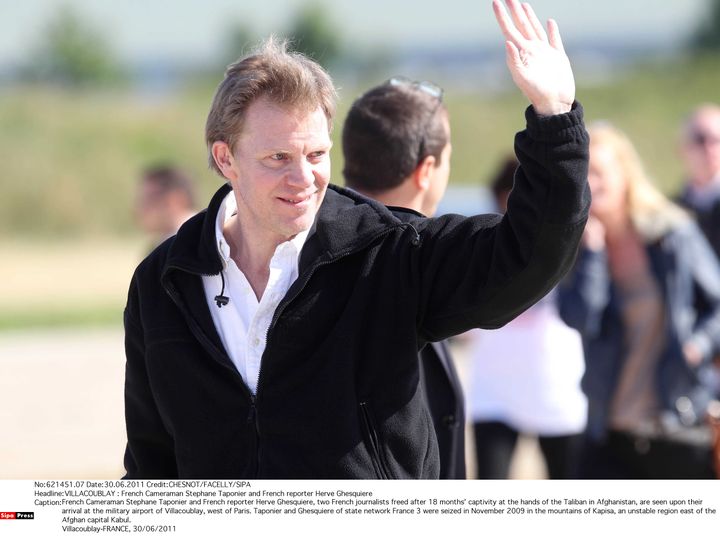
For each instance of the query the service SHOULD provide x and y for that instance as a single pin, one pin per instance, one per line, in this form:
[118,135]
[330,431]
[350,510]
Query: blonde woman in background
[645,296]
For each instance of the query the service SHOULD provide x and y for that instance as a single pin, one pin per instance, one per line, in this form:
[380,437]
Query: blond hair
[288,79]
[652,214]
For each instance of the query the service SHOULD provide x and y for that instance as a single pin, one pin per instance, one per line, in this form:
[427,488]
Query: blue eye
[279,156]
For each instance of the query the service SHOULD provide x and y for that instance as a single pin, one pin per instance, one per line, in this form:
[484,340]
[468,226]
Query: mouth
[296,201]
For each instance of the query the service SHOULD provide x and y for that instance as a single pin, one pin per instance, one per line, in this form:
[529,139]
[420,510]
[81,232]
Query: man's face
[701,147]
[280,170]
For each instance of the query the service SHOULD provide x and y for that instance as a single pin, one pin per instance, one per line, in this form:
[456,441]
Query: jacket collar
[346,222]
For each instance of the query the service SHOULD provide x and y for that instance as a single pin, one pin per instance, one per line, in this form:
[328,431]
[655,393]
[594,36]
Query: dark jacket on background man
[338,393]
[443,394]
[708,220]
[688,274]
[446,405]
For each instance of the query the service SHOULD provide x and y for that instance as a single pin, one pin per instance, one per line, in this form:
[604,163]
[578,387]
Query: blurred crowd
[617,370]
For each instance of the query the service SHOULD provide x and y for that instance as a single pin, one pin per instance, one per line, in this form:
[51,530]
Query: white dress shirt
[243,323]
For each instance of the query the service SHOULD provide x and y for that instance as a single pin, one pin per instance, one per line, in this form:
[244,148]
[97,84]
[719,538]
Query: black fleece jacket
[338,394]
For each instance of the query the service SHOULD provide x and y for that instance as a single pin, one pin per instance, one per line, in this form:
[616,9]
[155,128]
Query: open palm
[536,59]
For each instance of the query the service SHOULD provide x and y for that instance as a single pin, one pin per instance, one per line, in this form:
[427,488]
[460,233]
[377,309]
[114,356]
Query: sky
[192,30]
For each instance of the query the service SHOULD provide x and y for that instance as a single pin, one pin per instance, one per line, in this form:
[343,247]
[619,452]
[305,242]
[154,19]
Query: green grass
[79,317]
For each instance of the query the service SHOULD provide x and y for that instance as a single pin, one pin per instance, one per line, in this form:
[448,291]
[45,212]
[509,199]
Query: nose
[301,174]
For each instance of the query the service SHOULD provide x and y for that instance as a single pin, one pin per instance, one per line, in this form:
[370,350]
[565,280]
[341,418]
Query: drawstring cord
[222,299]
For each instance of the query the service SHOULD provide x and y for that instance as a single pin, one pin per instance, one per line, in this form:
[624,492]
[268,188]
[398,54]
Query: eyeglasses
[429,88]
[425,86]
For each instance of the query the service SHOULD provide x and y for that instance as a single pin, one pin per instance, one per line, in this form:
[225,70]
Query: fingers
[522,25]
[506,25]
[520,19]
[535,22]
[554,32]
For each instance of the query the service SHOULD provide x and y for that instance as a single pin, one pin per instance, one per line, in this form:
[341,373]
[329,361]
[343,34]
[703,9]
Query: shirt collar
[228,209]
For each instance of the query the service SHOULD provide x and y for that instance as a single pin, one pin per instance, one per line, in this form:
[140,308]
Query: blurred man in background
[700,149]
[165,200]
[396,144]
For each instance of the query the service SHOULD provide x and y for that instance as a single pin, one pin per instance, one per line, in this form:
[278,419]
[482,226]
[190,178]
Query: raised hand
[536,59]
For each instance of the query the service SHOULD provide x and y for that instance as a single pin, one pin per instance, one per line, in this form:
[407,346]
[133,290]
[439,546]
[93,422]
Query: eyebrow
[285,149]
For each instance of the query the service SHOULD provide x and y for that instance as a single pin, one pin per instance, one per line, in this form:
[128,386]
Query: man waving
[276,335]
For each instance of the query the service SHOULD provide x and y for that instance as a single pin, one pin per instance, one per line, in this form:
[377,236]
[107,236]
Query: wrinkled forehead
[268,121]
[272,126]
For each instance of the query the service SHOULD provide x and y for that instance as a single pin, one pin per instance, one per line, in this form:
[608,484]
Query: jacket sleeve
[584,293]
[706,274]
[483,271]
[150,452]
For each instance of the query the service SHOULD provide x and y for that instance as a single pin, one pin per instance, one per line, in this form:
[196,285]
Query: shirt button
[256,342]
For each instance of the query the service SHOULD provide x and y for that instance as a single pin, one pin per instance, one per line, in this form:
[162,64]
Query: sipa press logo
[17,515]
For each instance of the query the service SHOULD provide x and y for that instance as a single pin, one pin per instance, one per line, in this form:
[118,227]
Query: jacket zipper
[252,419]
[373,442]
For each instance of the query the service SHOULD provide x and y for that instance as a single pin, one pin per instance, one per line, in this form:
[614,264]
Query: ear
[224,159]
[423,174]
